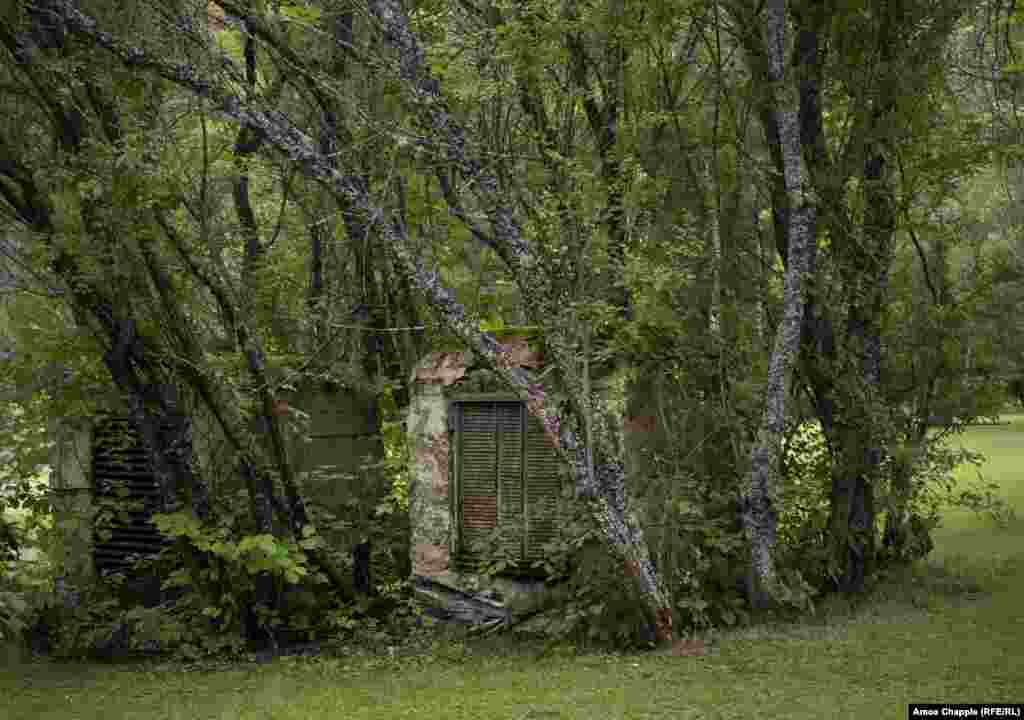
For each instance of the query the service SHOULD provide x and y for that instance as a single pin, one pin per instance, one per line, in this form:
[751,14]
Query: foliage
[13,613]
[499,551]
[215,574]
[807,472]
[23,460]
[25,523]
[590,605]
[210,604]
[26,581]
[697,549]
[804,506]
[593,607]
[937,487]
[696,241]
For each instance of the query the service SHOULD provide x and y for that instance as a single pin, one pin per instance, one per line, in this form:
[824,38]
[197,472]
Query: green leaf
[300,12]
[312,543]
[492,324]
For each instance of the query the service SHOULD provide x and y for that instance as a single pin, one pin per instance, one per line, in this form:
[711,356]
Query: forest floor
[951,630]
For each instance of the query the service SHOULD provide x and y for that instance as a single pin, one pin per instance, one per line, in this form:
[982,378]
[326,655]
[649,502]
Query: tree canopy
[791,224]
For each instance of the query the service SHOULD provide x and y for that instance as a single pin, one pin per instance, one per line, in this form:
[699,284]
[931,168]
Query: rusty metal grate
[122,472]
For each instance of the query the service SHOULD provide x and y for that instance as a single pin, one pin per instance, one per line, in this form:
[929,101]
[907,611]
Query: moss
[530,332]
[481,381]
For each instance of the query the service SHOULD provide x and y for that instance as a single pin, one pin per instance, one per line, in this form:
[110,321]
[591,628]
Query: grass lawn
[950,631]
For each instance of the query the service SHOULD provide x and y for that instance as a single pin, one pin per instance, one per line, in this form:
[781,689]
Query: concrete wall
[71,484]
[341,426]
[342,430]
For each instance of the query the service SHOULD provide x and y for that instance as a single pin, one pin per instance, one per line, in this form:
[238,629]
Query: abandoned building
[483,481]
[480,465]
[98,457]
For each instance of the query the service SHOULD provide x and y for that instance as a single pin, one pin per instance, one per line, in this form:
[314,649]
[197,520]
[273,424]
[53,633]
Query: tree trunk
[153,400]
[866,264]
[255,465]
[853,524]
[758,512]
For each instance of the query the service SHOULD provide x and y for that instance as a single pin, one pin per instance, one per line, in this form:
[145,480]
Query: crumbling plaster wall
[71,485]
[455,595]
[438,379]
[429,501]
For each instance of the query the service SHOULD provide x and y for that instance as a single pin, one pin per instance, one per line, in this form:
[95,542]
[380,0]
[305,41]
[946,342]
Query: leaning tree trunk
[604,486]
[758,512]
[155,407]
[261,452]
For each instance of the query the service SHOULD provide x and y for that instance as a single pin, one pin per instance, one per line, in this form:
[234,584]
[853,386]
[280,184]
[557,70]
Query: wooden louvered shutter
[510,477]
[543,479]
[121,470]
[477,476]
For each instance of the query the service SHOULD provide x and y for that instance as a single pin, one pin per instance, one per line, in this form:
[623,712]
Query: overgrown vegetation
[788,232]
[896,642]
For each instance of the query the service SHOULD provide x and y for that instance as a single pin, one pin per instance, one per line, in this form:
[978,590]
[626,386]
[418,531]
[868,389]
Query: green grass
[949,630]
[963,534]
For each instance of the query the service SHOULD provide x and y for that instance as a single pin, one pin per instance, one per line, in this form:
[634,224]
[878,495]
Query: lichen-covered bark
[604,488]
[758,514]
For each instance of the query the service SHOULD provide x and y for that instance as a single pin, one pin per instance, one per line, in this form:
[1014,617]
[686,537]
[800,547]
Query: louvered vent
[505,477]
[543,490]
[477,472]
[122,472]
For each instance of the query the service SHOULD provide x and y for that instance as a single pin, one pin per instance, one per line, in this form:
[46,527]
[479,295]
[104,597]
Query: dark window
[507,476]
[126,496]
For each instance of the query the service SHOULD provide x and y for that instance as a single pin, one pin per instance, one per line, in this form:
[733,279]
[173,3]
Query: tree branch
[605,488]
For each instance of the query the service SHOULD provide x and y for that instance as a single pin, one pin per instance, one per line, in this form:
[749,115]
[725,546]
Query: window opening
[508,477]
